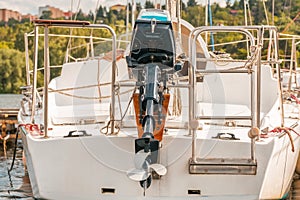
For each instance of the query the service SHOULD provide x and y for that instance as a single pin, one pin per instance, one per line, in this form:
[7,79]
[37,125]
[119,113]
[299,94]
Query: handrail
[34,81]
[197,31]
[276,49]
[27,59]
[46,78]
[255,117]
[68,24]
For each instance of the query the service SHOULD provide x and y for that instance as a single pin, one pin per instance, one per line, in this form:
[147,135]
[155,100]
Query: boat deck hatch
[222,166]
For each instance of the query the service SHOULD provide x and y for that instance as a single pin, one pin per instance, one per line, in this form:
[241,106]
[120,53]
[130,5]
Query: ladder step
[224,117]
[223,166]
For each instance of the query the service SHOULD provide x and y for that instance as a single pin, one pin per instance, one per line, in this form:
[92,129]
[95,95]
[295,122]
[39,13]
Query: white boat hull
[95,167]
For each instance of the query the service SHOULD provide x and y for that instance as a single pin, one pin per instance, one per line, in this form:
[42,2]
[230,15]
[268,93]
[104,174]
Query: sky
[31,6]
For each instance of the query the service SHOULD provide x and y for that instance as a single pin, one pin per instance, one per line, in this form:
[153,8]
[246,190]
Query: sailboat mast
[273,7]
[174,8]
[178,21]
[171,7]
[245,12]
[266,13]
[210,23]
[246,3]
[206,21]
[132,13]
[127,19]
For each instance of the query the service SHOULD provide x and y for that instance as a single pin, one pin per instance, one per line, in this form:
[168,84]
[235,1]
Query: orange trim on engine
[159,128]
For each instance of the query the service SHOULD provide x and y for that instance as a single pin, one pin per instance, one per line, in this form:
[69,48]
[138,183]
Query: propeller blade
[140,158]
[159,169]
[138,174]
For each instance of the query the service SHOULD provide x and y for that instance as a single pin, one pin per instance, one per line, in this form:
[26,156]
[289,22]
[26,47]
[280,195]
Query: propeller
[159,169]
[142,167]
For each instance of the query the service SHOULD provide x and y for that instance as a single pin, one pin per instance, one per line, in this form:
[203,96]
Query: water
[16,184]
[295,189]
[11,101]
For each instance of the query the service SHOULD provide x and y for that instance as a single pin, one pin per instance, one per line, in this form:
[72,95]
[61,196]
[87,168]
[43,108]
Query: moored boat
[156,123]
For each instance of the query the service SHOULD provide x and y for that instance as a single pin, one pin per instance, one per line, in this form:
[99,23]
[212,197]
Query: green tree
[149,4]
[46,14]
[183,6]
[12,22]
[12,73]
[91,16]
[80,16]
[228,3]
[138,7]
[100,12]
[191,3]
[20,30]
[237,5]
[195,15]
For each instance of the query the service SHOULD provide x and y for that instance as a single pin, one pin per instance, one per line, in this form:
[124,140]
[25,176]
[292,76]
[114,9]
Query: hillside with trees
[12,56]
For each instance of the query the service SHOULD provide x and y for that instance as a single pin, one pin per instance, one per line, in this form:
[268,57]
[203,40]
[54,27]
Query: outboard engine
[152,58]
[152,40]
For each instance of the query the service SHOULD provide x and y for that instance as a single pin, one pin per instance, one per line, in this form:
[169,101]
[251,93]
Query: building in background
[68,15]
[118,7]
[55,12]
[6,14]
[30,17]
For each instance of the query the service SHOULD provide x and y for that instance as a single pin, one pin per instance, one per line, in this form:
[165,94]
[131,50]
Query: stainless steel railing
[255,52]
[46,24]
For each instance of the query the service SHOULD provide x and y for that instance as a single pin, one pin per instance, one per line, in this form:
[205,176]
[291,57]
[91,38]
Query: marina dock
[9,108]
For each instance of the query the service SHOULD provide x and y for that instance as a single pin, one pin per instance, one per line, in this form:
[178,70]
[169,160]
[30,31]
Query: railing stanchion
[34,81]
[46,78]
